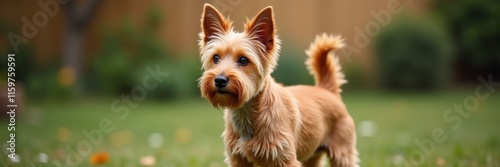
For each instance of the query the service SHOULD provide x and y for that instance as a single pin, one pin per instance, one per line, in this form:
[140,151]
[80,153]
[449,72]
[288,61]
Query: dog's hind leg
[341,144]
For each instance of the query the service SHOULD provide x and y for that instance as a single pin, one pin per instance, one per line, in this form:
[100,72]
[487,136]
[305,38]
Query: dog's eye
[216,59]
[243,61]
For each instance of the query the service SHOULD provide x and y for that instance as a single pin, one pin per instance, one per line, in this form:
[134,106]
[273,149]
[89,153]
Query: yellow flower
[121,138]
[99,158]
[183,135]
[66,76]
[63,134]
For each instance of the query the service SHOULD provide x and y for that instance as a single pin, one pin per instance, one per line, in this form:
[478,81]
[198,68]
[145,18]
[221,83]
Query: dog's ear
[213,23]
[262,27]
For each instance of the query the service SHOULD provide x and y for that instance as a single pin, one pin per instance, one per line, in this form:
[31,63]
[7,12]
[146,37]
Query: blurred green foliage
[44,84]
[413,53]
[25,59]
[291,69]
[38,81]
[474,25]
[120,63]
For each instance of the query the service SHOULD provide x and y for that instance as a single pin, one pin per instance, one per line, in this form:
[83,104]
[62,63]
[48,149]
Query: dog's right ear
[212,23]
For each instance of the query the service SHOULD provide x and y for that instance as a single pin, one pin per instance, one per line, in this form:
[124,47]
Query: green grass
[191,131]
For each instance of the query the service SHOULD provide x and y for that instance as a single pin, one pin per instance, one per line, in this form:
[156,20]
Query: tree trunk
[73,50]
[77,20]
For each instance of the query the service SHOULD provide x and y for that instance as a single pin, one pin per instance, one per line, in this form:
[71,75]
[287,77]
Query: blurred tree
[77,20]
[474,26]
[413,53]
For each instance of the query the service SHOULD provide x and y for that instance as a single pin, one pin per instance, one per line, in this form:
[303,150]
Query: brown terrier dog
[268,124]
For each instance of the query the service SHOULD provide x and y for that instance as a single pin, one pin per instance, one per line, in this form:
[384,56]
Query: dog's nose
[221,81]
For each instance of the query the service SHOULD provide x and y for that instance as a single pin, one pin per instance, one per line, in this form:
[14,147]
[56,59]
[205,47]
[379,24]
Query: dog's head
[236,64]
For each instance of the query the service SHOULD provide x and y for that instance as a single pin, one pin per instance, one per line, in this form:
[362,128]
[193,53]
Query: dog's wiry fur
[268,124]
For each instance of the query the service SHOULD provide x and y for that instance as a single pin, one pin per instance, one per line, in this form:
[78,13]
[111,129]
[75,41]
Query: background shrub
[474,26]
[120,63]
[291,69]
[413,53]
[39,81]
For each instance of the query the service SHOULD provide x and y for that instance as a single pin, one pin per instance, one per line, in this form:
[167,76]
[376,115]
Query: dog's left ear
[262,27]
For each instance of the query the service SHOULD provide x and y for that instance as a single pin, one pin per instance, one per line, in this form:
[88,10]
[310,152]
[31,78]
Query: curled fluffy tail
[326,69]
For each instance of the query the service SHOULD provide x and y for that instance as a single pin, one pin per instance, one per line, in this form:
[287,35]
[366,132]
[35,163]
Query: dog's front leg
[237,160]
[272,153]
[233,156]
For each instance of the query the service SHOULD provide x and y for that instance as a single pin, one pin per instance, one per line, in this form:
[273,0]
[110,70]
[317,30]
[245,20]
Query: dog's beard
[239,90]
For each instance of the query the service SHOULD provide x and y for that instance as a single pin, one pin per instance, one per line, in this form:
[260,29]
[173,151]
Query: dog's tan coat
[268,124]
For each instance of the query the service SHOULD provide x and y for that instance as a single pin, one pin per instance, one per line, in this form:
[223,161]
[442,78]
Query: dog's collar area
[246,136]
[241,121]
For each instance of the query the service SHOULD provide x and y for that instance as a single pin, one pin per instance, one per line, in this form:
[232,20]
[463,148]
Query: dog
[266,123]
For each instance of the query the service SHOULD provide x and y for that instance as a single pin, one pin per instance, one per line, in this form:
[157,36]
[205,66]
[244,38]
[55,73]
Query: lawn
[397,129]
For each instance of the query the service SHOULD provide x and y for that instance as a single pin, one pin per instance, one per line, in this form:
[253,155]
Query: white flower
[367,128]
[155,140]
[16,159]
[44,158]
[398,160]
